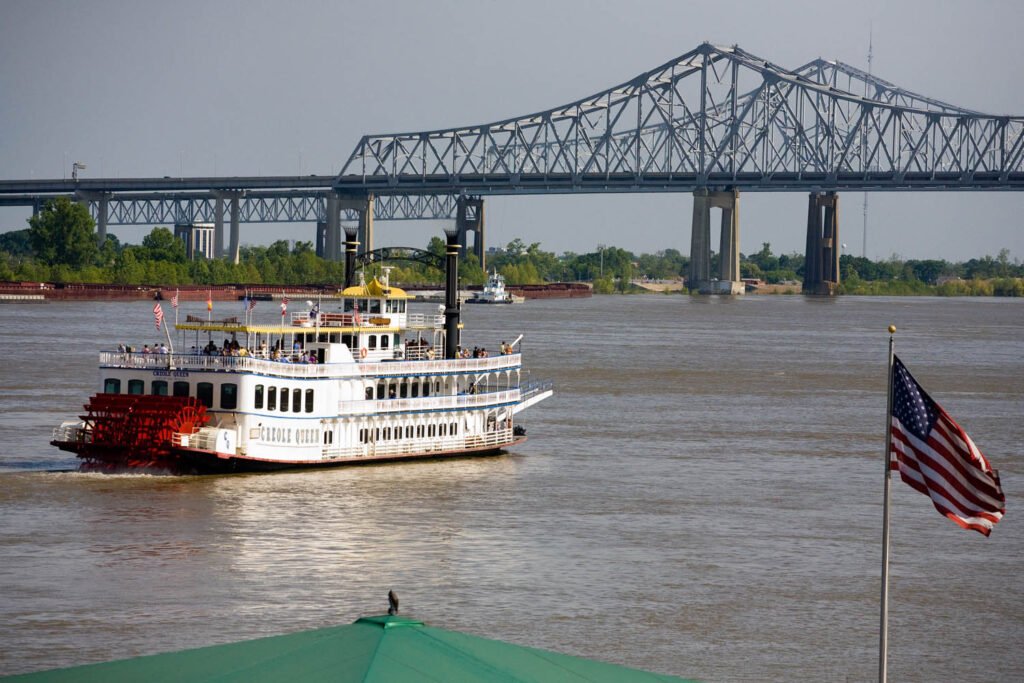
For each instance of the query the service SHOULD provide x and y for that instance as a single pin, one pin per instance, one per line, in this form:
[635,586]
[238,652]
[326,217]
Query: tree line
[60,246]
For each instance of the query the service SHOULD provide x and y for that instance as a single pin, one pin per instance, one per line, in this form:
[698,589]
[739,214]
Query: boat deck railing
[264,366]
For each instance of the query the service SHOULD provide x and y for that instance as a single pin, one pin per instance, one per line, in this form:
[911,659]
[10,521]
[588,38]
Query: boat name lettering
[170,373]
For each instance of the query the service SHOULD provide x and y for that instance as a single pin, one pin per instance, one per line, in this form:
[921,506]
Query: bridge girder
[715,117]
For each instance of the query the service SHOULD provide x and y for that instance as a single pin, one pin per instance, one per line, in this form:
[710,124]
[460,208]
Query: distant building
[198,239]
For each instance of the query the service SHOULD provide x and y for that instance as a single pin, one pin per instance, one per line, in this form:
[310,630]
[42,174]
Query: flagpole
[883,629]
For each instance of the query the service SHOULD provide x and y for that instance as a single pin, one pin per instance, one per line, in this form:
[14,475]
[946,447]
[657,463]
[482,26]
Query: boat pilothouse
[358,379]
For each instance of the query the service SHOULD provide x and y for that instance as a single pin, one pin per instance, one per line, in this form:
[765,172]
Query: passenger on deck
[145,348]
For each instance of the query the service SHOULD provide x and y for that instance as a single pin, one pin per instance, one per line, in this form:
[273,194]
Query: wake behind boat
[372,381]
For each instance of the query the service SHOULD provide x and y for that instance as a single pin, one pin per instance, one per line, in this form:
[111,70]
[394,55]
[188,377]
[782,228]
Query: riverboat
[494,292]
[369,381]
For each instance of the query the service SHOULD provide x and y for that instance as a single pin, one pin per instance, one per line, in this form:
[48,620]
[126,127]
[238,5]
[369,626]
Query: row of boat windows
[395,433]
[371,341]
[374,305]
[272,394]
[159,387]
[403,389]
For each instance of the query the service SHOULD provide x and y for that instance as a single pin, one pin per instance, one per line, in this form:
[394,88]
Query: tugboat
[494,292]
[369,382]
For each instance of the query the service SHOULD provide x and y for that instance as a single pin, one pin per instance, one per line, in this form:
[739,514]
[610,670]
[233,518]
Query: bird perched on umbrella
[392,603]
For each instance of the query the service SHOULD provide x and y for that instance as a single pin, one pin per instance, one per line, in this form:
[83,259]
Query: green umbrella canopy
[384,648]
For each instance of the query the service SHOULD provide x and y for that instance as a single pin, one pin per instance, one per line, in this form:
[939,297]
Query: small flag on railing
[209,301]
[174,299]
[937,458]
[284,305]
[252,304]
[159,313]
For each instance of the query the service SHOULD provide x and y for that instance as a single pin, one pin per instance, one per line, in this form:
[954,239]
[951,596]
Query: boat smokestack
[451,295]
[351,247]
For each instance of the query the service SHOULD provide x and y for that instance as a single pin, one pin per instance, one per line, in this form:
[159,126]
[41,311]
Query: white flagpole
[883,629]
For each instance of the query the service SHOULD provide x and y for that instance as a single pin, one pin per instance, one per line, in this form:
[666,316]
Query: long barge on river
[370,381]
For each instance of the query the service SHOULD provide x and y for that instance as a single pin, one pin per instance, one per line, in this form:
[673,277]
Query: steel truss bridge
[715,118]
[715,121]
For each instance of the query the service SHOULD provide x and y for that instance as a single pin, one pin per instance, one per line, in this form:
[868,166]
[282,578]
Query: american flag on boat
[284,305]
[252,304]
[174,300]
[936,457]
[159,313]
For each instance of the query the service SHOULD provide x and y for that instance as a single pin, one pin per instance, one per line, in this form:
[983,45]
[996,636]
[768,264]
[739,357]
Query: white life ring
[362,352]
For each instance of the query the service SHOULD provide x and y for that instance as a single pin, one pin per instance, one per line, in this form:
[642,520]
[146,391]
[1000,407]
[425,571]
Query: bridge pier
[233,243]
[101,219]
[332,238]
[363,205]
[728,276]
[218,226]
[469,217]
[821,259]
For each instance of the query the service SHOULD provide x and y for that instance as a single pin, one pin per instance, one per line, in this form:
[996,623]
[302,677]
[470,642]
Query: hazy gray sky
[137,88]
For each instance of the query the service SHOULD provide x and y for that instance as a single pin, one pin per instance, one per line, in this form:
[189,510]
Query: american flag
[936,457]
[284,305]
[159,313]
[252,304]
[174,300]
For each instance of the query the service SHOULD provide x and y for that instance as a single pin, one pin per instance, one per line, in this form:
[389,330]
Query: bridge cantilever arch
[714,122]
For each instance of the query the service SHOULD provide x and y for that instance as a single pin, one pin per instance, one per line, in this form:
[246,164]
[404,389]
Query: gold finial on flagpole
[892,329]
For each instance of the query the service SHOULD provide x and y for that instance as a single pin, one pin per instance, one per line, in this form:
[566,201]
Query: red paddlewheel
[130,431]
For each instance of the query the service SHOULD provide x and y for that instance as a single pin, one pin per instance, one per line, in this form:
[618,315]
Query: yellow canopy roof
[375,289]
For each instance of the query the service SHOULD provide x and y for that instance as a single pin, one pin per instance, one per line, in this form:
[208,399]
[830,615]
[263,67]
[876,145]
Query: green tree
[161,245]
[62,233]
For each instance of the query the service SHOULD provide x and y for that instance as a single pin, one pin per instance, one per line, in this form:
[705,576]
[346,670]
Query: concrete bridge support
[821,259]
[727,279]
[101,219]
[364,205]
[218,226]
[332,238]
[233,242]
[469,217]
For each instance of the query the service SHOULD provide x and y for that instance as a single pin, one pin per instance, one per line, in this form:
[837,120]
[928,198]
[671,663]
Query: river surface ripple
[701,497]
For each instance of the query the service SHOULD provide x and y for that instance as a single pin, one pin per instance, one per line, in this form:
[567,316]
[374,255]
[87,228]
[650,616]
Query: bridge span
[714,122]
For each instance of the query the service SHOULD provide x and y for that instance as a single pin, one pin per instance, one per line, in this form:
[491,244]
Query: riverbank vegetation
[59,246]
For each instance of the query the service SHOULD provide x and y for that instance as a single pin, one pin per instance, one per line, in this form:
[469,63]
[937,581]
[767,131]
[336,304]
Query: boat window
[136,386]
[257,398]
[369,393]
[363,435]
[415,389]
[380,389]
[371,341]
[408,432]
[181,389]
[297,400]
[387,306]
[374,305]
[309,400]
[334,337]
[403,390]
[284,399]
[387,433]
[346,339]
[347,305]
[401,306]
[271,398]
[430,430]
[453,429]
[362,305]
[228,396]
[159,387]
[376,434]
[419,431]
[441,429]
[111,386]
[398,341]
[426,388]
[204,392]
[392,390]
[383,341]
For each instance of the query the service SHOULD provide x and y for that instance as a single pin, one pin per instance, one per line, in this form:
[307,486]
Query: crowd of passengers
[297,355]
